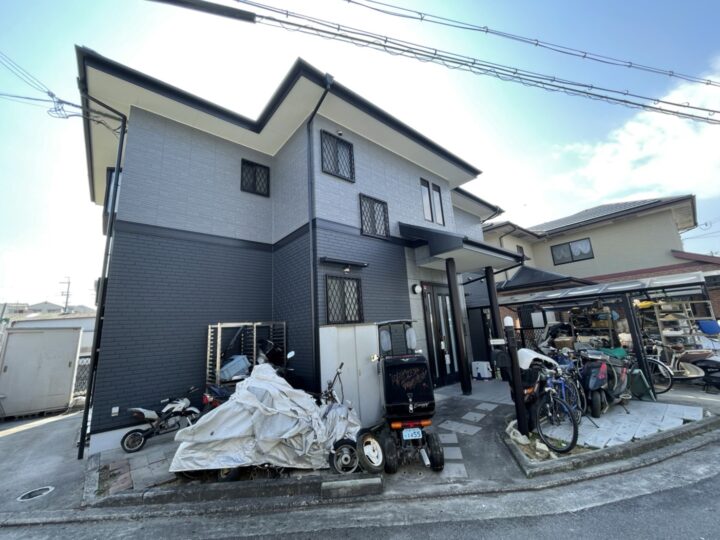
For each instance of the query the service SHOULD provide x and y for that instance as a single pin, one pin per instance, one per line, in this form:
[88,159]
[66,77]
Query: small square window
[255,178]
[337,156]
[344,300]
[374,217]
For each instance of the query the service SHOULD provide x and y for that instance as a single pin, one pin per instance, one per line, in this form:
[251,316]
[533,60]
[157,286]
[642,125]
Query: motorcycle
[605,380]
[176,413]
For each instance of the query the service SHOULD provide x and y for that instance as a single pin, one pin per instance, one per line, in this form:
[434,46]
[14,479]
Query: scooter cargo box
[408,388]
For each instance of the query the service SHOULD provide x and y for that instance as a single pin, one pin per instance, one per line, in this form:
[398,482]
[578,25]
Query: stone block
[448,438]
[473,417]
[452,452]
[487,406]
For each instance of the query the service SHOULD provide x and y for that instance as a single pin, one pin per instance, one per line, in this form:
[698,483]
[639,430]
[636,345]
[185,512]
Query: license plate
[412,433]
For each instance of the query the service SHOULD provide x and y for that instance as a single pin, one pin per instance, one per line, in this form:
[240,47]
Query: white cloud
[651,155]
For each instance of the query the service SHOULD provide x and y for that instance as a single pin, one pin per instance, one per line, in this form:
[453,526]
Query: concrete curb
[623,451]
[313,486]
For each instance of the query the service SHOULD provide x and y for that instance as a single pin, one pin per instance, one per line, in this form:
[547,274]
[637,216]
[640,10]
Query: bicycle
[554,419]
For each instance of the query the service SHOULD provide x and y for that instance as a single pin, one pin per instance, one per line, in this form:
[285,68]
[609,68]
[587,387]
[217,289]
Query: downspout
[102,290]
[500,241]
[314,316]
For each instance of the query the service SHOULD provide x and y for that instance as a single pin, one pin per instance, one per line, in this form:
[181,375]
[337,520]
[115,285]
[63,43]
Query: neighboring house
[326,210]
[8,310]
[611,242]
[45,307]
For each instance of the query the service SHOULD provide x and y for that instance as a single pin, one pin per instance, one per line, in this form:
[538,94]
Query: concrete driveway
[41,452]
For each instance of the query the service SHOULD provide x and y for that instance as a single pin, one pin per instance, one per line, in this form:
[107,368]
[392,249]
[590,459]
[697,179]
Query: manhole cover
[35,493]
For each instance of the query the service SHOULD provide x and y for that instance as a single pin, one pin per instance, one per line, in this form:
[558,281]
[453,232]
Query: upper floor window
[432,202]
[344,300]
[577,250]
[374,217]
[520,250]
[255,178]
[337,156]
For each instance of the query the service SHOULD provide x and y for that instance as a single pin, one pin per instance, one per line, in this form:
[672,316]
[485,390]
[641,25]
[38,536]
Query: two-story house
[610,242]
[325,210]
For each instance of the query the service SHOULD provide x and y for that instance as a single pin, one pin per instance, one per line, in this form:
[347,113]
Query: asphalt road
[676,499]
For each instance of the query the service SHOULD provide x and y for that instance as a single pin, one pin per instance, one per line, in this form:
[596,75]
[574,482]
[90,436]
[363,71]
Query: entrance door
[442,347]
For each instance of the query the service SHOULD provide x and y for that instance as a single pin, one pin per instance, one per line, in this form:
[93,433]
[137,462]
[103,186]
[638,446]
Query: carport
[618,293]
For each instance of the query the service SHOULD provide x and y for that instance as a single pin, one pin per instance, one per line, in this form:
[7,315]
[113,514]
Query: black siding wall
[164,288]
[384,282]
[292,301]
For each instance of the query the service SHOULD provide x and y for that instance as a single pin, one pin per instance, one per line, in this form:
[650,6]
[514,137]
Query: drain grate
[35,493]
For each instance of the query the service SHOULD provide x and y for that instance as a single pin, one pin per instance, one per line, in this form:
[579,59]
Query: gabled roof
[614,210]
[121,88]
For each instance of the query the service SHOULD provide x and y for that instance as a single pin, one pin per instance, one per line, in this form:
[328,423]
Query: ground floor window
[344,300]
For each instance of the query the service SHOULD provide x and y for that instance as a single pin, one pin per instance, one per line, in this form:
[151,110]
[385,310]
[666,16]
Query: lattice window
[337,156]
[255,178]
[344,300]
[374,217]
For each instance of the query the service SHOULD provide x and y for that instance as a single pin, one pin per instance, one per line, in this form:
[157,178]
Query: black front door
[442,348]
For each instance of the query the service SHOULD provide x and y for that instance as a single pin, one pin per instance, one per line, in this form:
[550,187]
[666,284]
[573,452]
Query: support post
[465,374]
[520,410]
[495,324]
[638,347]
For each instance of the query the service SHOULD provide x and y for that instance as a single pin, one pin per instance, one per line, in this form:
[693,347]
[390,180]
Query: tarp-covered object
[266,421]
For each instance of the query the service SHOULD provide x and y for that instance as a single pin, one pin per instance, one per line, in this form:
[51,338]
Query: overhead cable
[331,30]
[398,11]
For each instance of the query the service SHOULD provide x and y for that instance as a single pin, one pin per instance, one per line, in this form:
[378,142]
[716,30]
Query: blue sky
[543,155]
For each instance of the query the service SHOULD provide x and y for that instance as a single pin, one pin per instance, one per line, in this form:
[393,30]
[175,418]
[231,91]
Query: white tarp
[266,421]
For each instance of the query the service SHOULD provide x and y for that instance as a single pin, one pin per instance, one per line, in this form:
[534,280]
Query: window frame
[572,257]
[345,320]
[338,140]
[248,163]
[374,202]
[438,213]
[425,188]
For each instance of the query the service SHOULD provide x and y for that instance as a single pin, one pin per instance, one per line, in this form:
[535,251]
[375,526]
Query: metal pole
[637,340]
[520,411]
[465,373]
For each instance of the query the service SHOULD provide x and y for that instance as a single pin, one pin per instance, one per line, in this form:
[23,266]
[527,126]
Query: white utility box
[481,370]
[37,369]
[354,345]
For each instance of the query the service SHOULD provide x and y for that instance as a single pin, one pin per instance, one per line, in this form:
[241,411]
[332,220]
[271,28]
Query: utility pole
[66,293]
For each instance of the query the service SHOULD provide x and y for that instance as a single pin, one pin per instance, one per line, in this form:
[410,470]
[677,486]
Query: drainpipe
[102,289]
[500,241]
[314,317]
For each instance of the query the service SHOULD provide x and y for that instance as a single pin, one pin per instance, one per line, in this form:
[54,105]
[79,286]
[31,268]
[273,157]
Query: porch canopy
[457,254]
[434,247]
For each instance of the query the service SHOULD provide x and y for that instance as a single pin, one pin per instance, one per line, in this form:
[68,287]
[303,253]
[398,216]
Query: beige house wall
[631,244]
[510,243]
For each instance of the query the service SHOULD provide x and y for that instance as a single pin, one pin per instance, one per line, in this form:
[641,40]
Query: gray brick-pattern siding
[378,173]
[469,225]
[182,178]
[289,190]
[384,282]
[291,303]
[162,293]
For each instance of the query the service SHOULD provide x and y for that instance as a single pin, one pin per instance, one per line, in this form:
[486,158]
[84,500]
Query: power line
[56,105]
[585,55]
[331,30]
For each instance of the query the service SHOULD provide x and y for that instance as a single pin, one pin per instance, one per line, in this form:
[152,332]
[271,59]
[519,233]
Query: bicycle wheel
[556,424]
[572,397]
[662,376]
